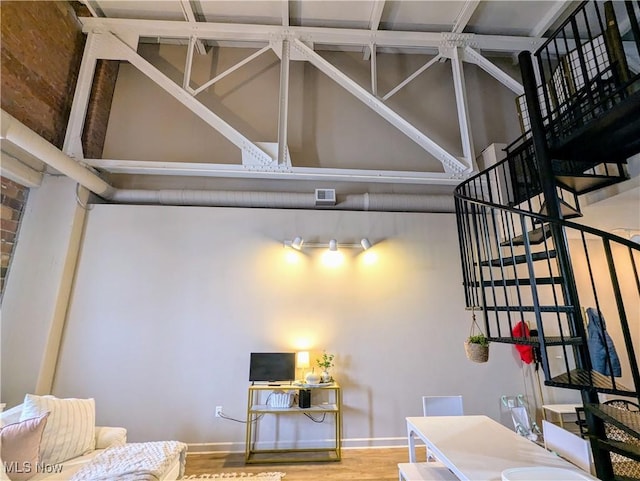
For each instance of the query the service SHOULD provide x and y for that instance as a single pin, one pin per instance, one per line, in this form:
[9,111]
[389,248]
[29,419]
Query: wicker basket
[281,399]
[476,352]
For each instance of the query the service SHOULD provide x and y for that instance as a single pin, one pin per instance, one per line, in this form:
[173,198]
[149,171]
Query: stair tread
[535,340]
[535,236]
[628,421]
[519,259]
[626,449]
[531,308]
[521,282]
[581,378]
[586,184]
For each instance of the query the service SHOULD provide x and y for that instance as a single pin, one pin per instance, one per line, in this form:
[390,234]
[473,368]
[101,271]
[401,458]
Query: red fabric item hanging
[526,351]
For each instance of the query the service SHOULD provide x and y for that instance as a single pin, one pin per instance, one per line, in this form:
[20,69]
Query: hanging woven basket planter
[477,345]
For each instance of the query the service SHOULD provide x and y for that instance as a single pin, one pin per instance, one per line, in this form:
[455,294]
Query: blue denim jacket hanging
[599,343]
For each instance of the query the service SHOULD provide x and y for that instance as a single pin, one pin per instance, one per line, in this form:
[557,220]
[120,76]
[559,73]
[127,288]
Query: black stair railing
[523,261]
[511,274]
[584,68]
[589,67]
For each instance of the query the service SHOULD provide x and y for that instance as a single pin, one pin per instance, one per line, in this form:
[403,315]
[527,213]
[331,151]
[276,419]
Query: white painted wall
[170,301]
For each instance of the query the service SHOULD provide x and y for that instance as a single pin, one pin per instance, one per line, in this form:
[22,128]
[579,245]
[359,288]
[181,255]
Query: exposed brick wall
[41,47]
[14,196]
[95,126]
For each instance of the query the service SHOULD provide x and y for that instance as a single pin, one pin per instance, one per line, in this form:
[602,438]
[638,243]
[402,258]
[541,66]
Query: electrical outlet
[218,411]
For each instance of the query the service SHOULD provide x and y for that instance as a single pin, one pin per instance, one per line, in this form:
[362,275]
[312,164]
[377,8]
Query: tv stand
[256,409]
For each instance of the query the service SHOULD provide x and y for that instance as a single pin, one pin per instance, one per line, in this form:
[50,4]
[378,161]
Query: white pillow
[70,430]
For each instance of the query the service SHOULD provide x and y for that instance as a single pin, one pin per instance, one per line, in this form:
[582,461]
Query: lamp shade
[365,243]
[302,359]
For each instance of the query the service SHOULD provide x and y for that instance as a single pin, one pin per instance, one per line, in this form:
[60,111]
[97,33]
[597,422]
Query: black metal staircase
[523,260]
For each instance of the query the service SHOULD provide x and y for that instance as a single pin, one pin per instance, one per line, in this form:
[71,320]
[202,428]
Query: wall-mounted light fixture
[298,243]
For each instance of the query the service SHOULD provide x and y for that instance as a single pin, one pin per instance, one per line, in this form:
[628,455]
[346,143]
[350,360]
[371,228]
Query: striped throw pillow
[70,429]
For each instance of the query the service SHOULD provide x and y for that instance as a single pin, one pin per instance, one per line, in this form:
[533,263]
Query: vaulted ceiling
[486,34]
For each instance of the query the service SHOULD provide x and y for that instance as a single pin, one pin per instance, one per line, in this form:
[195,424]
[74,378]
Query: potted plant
[477,347]
[325,363]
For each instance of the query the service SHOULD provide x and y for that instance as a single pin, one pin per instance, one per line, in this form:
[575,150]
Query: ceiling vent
[325,197]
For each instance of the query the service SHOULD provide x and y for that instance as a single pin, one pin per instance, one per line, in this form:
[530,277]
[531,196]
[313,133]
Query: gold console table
[257,407]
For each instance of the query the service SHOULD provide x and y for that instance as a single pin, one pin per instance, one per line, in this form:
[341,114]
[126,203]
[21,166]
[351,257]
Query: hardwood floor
[378,464]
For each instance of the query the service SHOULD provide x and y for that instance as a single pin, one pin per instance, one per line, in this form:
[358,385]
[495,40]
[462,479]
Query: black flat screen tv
[272,366]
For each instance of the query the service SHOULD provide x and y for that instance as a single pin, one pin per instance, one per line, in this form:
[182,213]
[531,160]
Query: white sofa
[105,437]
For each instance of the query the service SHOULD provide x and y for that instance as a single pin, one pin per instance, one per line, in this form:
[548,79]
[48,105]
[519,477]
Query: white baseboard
[349,443]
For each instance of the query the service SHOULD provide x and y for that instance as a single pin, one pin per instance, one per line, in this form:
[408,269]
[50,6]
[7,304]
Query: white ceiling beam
[119,49]
[374,22]
[472,56]
[549,18]
[283,105]
[450,163]
[186,78]
[231,69]
[73,136]
[465,15]
[285,13]
[189,16]
[374,70]
[92,10]
[13,169]
[331,36]
[412,76]
[144,167]
[462,107]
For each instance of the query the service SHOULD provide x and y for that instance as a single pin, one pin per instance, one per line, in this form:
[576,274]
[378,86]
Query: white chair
[568,446]
[442,406]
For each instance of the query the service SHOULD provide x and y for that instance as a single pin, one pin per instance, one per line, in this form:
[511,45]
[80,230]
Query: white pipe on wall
[286,200]
[21,136]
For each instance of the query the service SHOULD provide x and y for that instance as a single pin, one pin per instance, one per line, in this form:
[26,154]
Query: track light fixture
[298,243]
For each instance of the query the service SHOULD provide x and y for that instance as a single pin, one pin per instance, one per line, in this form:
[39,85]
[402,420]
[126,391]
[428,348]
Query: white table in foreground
[477,448]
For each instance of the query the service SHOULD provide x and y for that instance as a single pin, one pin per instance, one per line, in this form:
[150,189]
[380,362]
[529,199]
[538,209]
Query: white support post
[374,22]
[412,76]
[374,70]
[73,138]
[190,17]
[285,13]
[463,107]
[231,69]
[188,64]
[235,137]
[465,14]
[557,8]
[473,56]
[450,163]
[284,104]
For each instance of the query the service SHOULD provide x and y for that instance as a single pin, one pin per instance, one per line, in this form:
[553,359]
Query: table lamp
[302,362]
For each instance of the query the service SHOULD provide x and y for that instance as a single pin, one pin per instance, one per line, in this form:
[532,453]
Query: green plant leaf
[479,339]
